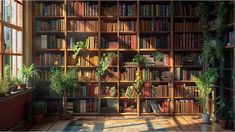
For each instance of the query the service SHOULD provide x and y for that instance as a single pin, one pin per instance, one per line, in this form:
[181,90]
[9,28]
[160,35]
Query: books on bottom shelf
[156,107]
[187,106]
[84,106]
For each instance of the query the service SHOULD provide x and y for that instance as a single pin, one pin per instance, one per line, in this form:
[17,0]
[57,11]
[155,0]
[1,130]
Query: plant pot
[205,118]
[38,118]
[222,123]
[21,86]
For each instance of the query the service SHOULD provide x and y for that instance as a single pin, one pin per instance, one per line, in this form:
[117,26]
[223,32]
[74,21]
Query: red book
[133,41]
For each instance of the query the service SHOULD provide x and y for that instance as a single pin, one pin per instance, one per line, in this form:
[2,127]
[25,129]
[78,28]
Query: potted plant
[38,109]
[158,56]
[4,87]
[29,75]
[204,83]
[62,84]
[113,91]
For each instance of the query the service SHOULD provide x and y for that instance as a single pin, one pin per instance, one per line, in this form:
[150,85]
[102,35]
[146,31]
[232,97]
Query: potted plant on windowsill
[204,83]
[29,75]
[63,84]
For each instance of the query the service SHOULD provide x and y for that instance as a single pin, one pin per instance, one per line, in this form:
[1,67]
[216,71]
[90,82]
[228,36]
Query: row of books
[154,25]
[91,41]
[155,41]
[42,9]
[85,106]
[49,42]
[155,9]
[187,106]
[52,25]
[109,26]
[231,38]
[127,41]
[109,105]
[128,75]
[89,89]
[110,75]
[85,60]
[186,9]
[108,91]
[106,44]
[188,41]
[79,8]
[188,26]
[161,91]
[154,106]
[87,75]
[127,26]
[49,59]
[157,75]
[127,9]
[185,91]
[183,74]
[83,25]
[190,59]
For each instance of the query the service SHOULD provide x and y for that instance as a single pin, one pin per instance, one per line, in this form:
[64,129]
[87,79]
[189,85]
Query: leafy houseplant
[79,45]
[62,84]
[158,56]
[38,109]
[113,91]
[4,87]
[204,83]
[106,60]
[137,86]
[29,75]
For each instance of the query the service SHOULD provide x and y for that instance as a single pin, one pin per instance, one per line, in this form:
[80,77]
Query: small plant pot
[205,118]
[21,86]
[38,118]
[222,123]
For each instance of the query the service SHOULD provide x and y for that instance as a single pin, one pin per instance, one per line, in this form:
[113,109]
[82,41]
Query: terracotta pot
[222,123]
[38,118]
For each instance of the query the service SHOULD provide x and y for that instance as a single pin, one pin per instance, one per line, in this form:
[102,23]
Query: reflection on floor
[125,124]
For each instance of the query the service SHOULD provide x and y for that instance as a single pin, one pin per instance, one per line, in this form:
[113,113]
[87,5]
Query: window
[11,28]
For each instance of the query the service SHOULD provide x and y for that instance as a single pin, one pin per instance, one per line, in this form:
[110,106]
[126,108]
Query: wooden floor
[125,124]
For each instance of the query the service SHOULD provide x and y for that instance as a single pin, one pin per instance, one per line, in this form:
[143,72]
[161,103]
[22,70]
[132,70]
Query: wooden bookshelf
[123,22]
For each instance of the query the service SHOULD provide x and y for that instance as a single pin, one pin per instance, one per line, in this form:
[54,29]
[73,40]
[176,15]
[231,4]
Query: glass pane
[7,10]
[19,42]
[19,64]
[19,15]
[14,46]
[7,39]
[13,21]
[15,63]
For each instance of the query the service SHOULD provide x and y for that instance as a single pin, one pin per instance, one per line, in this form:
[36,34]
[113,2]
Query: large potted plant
[29,75]
[62,84]
[204,83]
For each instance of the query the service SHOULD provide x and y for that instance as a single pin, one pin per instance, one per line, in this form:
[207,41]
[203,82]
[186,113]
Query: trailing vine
[212,44]
[79,45]
[104,62]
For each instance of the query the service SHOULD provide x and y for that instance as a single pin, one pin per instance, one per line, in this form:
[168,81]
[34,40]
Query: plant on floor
[62,84]
[79,45]
[38,110]
[29,75]
[106,59]
[204,83]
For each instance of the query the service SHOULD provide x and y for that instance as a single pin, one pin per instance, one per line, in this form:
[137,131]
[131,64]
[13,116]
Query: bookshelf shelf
[126,28]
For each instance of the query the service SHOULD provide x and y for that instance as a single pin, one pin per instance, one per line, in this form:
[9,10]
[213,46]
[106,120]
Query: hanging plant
[104,62]
[79,45]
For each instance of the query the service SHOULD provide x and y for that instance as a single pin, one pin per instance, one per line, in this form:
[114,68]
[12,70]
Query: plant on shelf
[137,86]
[4,87]
[78,46]
[204,83]
[38,110]
[29,75]
[158,56]
[106,60]
[113,91]
[63,84]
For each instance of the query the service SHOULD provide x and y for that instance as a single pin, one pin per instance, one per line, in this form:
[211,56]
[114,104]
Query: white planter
[205,118]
